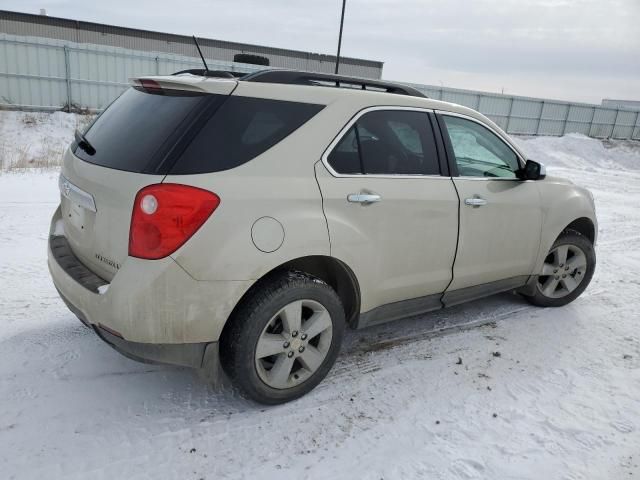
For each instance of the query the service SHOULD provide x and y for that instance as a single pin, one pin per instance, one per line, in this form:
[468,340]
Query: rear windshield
[240,130]
[138,130]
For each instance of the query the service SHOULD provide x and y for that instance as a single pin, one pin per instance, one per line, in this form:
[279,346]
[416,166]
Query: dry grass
[21,157]
[46,150]
[83,121]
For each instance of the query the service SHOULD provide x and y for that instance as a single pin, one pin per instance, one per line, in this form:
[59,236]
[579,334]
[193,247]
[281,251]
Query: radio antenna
[344,2]
[206,68]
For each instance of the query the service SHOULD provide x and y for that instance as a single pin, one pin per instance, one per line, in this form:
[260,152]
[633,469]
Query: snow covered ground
[36,139]
[495,389]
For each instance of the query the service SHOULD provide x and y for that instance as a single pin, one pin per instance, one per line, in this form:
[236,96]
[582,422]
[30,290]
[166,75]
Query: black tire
[240,340]
[569,238]
[251,59]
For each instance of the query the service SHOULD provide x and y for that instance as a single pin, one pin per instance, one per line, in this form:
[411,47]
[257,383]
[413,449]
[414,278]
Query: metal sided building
[81,32]
[626,104]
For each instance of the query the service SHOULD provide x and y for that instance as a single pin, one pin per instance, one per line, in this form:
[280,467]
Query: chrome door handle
[363,198]
[475,201]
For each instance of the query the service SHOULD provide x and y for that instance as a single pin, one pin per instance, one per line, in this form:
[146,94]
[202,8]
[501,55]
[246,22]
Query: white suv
[258,216]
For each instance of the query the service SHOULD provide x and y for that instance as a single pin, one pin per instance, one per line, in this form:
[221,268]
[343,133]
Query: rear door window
[387,142]
[139,128]
[345,157]
[240,130]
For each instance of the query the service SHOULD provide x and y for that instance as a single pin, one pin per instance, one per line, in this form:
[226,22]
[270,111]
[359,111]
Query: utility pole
[344,2]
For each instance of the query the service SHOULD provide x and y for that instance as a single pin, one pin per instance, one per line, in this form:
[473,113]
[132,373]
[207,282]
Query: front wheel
[284,338]
[566,272]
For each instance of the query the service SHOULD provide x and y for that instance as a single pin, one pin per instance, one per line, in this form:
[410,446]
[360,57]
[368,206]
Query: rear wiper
[83,143]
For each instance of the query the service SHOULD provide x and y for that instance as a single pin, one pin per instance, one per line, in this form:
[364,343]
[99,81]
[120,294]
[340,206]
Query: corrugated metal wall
[536,116]
[628,104]
[50,74]
[15,23]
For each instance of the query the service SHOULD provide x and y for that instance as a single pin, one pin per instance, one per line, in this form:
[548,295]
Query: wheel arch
[583,226]
[334,272]
[565,207]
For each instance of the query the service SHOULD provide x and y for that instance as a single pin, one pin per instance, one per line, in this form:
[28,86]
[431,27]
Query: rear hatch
[132,144]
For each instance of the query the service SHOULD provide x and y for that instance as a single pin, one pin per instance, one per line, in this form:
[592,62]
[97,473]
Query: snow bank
[578,151]
[36,139]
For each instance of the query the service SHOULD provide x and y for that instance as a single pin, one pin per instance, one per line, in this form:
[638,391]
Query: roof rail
[294,77]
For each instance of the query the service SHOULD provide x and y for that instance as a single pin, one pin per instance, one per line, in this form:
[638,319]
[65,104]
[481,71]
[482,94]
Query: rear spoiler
[185,82]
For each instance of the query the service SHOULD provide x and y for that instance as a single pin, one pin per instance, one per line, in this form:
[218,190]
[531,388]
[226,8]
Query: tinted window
[138,129]
[480,152]
[261,127]
[240,130]
[408,136]
[387,142]
[345,158]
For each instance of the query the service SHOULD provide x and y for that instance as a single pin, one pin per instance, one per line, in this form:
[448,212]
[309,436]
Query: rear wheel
[284,338]
[566,272]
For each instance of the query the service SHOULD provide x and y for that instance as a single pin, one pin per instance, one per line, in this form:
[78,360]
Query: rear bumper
[183,354]
[151,310]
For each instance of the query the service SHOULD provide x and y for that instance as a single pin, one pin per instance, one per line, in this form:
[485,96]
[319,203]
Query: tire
[251,59]
[265,323]
[558,270]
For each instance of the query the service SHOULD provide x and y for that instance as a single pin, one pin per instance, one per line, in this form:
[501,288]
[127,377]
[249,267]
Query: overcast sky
[582,50]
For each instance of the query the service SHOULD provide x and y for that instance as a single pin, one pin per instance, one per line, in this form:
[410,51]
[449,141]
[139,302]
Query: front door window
[480,152]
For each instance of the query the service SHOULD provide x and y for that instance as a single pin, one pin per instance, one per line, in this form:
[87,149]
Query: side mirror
[533,171]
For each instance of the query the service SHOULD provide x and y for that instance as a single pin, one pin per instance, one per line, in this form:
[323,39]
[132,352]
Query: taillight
[165,216]
[151,86]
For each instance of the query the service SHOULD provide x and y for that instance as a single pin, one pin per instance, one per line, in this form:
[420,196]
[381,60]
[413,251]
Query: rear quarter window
[240,130]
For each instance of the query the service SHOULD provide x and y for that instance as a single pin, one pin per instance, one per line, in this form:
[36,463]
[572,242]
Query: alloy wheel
[563,271]
[293,344]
